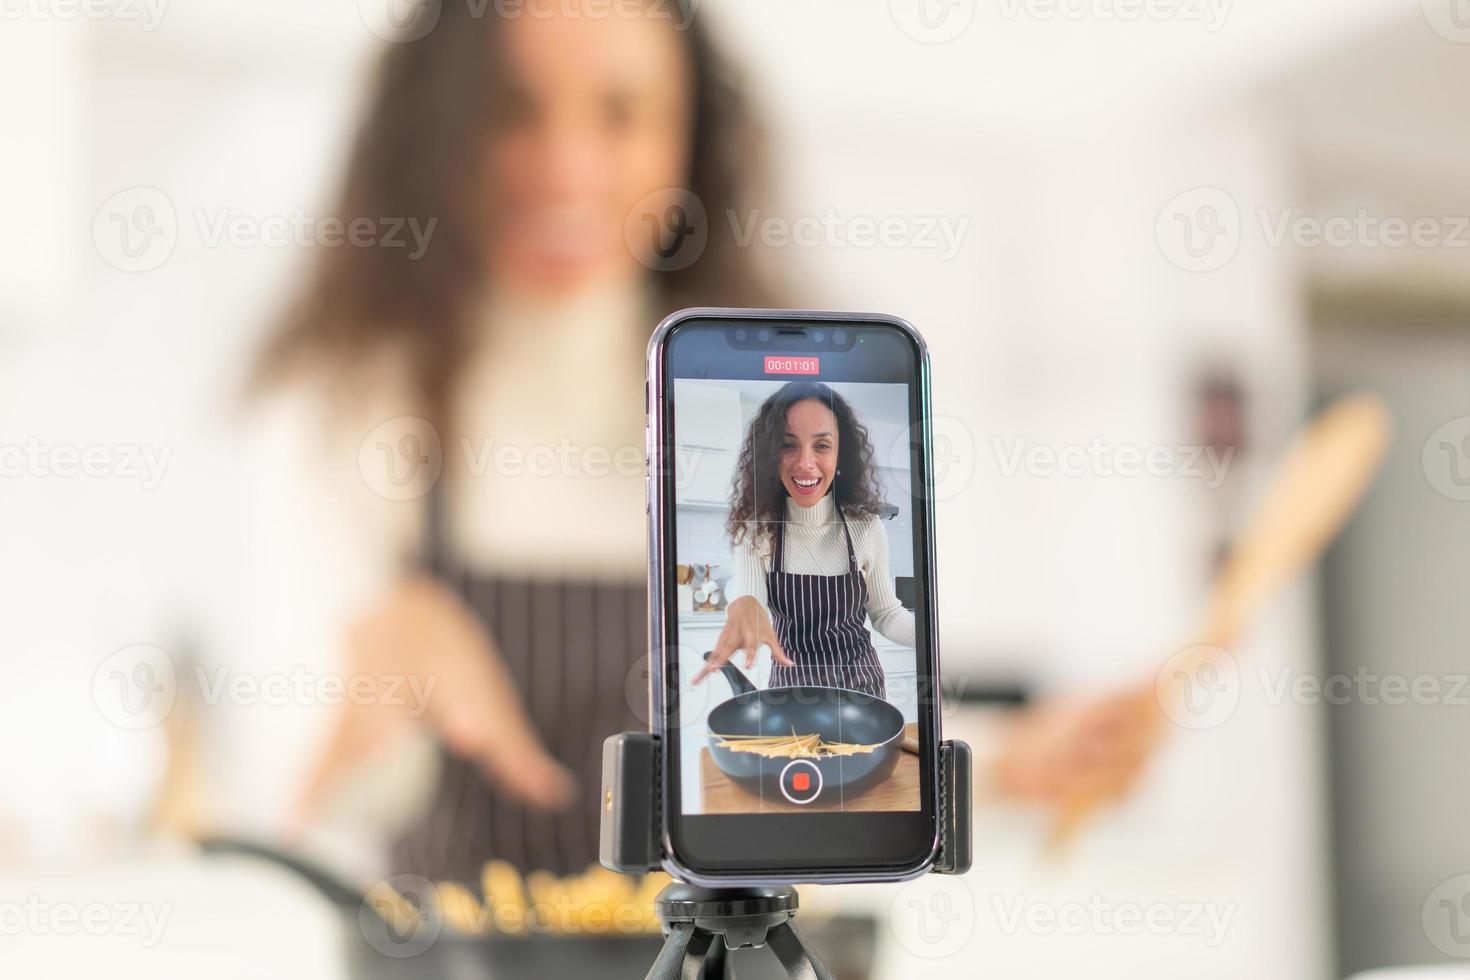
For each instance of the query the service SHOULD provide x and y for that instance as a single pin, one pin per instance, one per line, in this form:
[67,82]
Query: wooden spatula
[1317,484]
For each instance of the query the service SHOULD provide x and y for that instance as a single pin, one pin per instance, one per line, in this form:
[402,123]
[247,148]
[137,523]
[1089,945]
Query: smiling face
[599,118]
[808,461]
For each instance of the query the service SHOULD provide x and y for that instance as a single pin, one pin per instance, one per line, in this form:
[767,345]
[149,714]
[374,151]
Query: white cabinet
[708,417]
[703,476]
[890,443]
[707,436]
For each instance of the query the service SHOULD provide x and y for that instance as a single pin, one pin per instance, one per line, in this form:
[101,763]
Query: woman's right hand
[423,650]
[747,626]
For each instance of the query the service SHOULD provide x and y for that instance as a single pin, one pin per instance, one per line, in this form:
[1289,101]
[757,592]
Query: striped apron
[570,645]
[820,621]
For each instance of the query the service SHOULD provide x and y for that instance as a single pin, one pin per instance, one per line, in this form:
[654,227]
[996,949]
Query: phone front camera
[817,336]
[839,337]
[764,335]
[740,335]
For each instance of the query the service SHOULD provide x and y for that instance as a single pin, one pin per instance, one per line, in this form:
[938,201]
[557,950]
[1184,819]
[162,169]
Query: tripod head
[694,918]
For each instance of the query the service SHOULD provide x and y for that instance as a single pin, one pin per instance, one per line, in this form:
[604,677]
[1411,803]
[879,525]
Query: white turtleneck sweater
[815,545]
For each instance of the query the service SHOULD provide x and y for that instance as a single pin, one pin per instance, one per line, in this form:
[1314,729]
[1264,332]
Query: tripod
[702,924]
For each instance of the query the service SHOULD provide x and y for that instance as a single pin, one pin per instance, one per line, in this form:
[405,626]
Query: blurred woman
[544,148]
[489,392]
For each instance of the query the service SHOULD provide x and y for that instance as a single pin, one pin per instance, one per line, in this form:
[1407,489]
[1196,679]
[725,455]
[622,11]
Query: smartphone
[793,689]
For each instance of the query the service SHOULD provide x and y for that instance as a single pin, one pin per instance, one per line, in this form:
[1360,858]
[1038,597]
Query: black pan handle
[332,888]
[739,683]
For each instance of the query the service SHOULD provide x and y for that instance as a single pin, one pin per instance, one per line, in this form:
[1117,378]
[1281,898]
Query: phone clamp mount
[694,917]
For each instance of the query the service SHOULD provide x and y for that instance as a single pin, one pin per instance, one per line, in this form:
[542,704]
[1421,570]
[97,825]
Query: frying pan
[451,955]
[837,715]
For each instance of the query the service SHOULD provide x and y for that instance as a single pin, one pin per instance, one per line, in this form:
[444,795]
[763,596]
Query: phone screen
[794,563]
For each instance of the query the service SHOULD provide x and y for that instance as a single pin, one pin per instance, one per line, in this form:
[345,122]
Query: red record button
[801,781]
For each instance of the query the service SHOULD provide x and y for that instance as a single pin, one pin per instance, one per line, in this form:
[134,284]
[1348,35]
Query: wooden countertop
[900,791]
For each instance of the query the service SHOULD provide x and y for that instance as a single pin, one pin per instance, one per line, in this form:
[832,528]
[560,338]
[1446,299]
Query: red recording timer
[786,364]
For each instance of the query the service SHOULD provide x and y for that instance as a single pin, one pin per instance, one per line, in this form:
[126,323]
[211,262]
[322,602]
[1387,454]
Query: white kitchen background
[1056,142]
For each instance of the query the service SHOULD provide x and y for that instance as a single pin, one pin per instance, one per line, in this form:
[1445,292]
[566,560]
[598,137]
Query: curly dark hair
[758,500]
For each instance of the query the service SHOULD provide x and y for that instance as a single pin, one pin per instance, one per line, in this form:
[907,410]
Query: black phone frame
[661,711]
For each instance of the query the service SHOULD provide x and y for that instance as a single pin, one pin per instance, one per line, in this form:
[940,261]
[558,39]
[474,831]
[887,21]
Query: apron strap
[852,565]
[777,563]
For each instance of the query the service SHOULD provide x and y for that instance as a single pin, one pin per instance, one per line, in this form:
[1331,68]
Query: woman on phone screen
[811,553]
